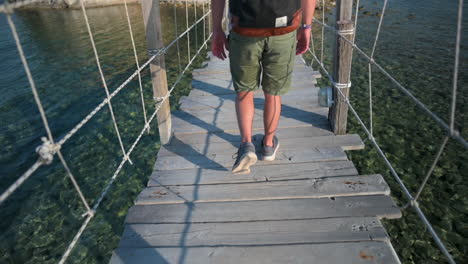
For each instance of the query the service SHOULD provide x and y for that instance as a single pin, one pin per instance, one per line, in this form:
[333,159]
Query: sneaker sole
[272,157]
[248,160]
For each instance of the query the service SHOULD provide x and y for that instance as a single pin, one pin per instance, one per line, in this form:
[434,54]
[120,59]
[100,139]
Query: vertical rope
[456,65]
[226,15]
[429,173]
[177,36]
[30,78]
[323,34]
[204,25]
[137,64]
[313,47]
[209,18]
[196,25]
[188,33]
[50,143]
[371,113]
[98,63]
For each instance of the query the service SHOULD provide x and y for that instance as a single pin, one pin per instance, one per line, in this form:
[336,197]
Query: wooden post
[152,20]
[343,51]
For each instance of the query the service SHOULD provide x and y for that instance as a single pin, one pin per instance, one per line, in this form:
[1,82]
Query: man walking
[265,37]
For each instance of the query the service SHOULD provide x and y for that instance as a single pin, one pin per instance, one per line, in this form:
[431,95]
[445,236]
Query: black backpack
[264,13]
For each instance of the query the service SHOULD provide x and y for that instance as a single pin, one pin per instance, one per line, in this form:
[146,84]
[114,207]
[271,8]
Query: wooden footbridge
[309,206]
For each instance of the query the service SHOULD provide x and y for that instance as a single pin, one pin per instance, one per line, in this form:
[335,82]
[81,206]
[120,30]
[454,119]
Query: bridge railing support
[342,60]
[152,21]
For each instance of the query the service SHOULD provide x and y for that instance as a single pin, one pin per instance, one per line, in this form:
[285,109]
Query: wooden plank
[296,189]
[190,103]
[234,138]
[295,101]
[216,114]
[254,233]
[219,87]
[222,161]
[290,94]
[381,206]
[276,172]
[180,148]
[333,253]
[224,114]
[195,125]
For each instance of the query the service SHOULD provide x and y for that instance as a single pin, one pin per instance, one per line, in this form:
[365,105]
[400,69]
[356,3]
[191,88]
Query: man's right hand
[218,43]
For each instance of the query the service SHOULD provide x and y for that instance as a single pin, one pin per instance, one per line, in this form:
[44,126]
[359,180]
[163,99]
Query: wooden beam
[342,66]
[152,21]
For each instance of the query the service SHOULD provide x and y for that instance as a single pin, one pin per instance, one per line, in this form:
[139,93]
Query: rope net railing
[51,146]
[451,132]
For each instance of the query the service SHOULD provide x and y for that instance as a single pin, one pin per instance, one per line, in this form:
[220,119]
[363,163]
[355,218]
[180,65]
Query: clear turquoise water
[41,218]
[416,46]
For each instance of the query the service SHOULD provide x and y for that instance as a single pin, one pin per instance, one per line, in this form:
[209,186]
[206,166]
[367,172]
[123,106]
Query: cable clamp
[7,9]
[89,213]
[346,31]
[126,157]
[414,203]
[47,151]
[157,52]
[158,99]
[342,85]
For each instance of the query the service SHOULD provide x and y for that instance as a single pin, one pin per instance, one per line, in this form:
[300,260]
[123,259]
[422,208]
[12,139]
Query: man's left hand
[303,40]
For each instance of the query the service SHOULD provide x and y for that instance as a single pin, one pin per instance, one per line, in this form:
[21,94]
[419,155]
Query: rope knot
[47,151]
[89,213]
[7,9]
[414,203]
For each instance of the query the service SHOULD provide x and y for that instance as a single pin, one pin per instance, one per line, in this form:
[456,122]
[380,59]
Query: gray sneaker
[246,157]
[269,153]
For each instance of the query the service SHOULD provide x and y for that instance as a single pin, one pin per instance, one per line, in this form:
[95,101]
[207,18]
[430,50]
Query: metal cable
[456,65]
[137,63]
[455,135]
[408,195]
[122,163]
[49,148]
[12,188]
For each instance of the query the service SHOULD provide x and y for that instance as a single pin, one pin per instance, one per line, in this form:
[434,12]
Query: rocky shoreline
[74,4]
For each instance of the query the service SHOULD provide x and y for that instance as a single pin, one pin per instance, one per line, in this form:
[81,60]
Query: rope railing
[450,129]
[49,148]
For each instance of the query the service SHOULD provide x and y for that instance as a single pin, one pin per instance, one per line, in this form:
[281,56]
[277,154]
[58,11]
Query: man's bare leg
[271,116]
[245,114]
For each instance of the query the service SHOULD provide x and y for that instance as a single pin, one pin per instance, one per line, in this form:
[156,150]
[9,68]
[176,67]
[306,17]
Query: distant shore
[75,4]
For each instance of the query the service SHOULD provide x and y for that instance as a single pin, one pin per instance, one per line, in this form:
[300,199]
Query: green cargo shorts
[269,59]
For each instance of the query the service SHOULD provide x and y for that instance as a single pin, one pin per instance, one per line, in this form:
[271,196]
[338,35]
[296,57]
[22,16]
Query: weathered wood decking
[308,206]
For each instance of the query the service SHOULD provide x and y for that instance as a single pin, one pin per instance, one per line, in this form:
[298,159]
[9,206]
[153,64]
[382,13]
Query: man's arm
[219,41]
[303,35]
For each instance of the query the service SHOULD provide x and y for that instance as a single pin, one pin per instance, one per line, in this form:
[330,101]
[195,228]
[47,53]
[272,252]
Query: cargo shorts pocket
[244,60]
[278,64]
